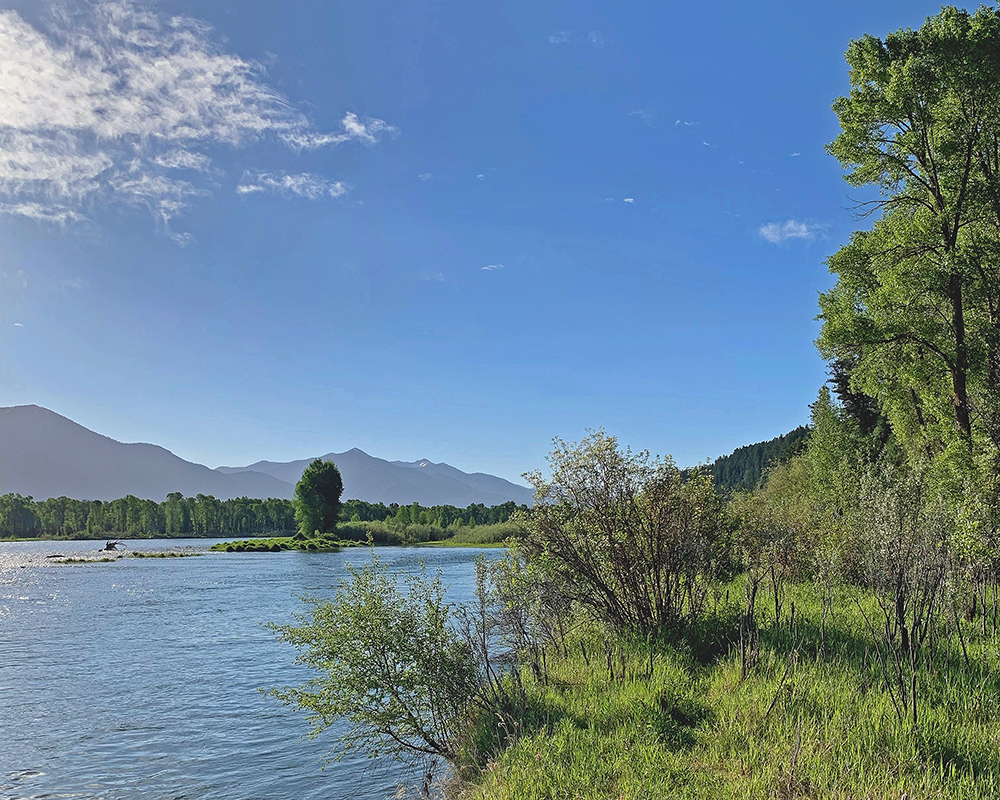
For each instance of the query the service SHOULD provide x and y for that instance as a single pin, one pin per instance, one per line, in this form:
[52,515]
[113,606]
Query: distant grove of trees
[744,468]
[207,516]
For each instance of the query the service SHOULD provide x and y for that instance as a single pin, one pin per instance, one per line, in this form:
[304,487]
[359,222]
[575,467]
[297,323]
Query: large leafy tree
[916,309]
[317,497]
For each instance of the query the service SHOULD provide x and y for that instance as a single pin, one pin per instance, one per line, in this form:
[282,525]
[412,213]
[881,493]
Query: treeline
[745,466]
[206,516]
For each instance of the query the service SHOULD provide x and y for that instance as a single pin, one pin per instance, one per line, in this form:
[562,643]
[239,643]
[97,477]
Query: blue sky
[442,230]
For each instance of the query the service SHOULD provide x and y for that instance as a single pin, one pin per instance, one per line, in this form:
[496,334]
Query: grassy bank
[813,718]
[354,533]
[276,544]
[388,533]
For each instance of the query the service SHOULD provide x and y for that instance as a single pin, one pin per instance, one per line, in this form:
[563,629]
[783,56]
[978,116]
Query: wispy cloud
[427,275]
[52,213]
[305,184]
[481,176]
[629,200]
[115,102]
[72,284]
[778,232]
[368,131]
[684,122]
[16,281]
[425,176]
[595,38]
[491,267]
[644,114]
[793,155]
[18,325]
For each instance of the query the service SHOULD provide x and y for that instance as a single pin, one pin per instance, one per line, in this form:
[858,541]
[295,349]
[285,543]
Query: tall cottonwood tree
[916,309]
[317,498]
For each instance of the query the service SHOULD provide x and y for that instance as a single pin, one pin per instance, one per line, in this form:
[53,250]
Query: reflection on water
[140,678]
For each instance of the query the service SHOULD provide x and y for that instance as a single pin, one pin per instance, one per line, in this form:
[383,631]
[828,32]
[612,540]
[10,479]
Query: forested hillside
[745,466]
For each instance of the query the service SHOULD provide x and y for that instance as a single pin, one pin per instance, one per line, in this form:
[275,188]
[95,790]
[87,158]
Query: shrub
[625,535]
[411,675]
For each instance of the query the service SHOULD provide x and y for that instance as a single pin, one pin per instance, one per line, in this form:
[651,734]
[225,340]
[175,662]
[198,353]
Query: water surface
[140,678]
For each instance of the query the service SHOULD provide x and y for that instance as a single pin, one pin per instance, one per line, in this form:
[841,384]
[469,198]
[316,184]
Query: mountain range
[44,454]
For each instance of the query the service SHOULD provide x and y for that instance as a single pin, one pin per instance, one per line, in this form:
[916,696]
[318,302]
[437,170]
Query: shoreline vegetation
[363,534]
[205,517]
[645,636]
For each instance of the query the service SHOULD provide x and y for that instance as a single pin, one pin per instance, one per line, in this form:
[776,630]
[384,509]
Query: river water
[140,678]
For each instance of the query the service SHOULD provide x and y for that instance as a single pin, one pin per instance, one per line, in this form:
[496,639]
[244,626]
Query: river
[141,678]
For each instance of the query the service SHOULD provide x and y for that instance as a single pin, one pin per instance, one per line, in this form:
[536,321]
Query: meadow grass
[812,719]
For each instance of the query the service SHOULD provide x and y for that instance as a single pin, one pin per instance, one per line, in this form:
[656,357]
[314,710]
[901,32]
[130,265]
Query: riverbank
[813,718]
[380,533]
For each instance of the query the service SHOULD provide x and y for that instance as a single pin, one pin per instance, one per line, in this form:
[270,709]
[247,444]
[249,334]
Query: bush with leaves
[624,534]
[410,673]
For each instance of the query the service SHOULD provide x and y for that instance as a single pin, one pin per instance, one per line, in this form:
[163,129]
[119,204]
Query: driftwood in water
[113,545]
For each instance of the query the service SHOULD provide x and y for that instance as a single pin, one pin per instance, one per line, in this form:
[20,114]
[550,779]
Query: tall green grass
[386,533]
[620,719]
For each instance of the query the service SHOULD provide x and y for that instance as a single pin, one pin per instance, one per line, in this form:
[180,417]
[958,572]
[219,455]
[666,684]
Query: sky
[446,230]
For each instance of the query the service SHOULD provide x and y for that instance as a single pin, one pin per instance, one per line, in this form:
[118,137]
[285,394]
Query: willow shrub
[627,537]
[407,673]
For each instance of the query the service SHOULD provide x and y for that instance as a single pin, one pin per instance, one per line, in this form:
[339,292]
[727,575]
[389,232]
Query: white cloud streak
[491,267]
[305,184]
[50,213]
[114,102]
[778,232]
[595,38]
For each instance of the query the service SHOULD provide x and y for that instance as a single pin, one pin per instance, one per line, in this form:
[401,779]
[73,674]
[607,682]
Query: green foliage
[393,661]
[915,313]
[206,516]
[746,466]
[132,517]
[810,721]
[314,543]
[317,498]
[626,536]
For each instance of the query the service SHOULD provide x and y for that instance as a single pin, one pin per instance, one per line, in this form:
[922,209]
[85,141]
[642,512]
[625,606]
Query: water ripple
[139,678]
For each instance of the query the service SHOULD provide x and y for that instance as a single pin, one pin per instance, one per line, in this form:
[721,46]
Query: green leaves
[627,537]
[915,308]
[391,664]
[317,498]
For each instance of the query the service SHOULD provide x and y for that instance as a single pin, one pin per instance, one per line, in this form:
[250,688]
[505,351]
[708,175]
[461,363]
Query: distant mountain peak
[45,454]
